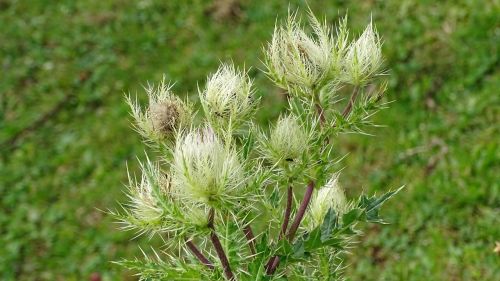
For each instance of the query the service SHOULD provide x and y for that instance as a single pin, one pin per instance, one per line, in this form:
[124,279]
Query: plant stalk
[352,100]
[199,255]
[273,263]
[321,113]
[295,225]
[319,109]
[218,247]
[301,211]
[250,237]
[288,211]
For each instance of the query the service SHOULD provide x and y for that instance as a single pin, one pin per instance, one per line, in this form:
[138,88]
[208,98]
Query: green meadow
[66,137]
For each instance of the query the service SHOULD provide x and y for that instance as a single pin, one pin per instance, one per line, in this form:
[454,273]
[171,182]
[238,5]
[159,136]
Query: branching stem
[274,262]
[319,109]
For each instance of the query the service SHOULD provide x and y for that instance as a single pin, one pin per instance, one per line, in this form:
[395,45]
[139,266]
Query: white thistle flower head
[330,196]
[145,195]
[228,96]
[341,45]
[294,58]
[287,141]
[206,170]
[165,114]
[364,58]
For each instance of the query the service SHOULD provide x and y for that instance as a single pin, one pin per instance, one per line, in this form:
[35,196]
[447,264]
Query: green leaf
[298,249]
[248,145]
[330,223]
[334,242]
[313,239]
[351,216]
[371,205]
[285,248]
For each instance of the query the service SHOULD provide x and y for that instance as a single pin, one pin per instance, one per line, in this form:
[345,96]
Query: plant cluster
[233,201]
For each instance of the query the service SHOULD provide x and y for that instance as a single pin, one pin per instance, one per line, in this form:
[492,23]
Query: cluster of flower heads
[206,167]
[295,59]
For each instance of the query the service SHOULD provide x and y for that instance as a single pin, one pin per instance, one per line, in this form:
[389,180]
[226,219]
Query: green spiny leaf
[330,223]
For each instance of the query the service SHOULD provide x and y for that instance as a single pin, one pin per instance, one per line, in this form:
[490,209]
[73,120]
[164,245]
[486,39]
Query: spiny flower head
[330,196]
[293,58]
[165,114]
[205,169]
[228,96]
[145,195]
[364,57]
[287,141]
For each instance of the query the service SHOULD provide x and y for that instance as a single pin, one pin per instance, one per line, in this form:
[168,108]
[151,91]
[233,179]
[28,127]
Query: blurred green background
[65,136]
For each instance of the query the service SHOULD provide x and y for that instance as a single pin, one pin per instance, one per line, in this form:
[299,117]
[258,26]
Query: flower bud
[227,96]
[205,170]
[364,57]
[165,115]
[287,142]
[330,196]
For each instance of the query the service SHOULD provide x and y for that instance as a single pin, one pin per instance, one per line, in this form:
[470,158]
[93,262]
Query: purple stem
[273,263]
[288,211]
[301,211]
[295,225]
[218,247]
[321,113]
[349,106]
[250,237]
[199,255]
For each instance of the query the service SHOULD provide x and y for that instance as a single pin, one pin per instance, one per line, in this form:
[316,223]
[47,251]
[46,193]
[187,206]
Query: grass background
[65,135]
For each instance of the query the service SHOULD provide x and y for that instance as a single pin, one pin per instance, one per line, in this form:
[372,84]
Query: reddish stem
[301,211]
[218,247]
[250,237]
[349,106]
[321,113]
[288,211]
[199,255]
[273,263]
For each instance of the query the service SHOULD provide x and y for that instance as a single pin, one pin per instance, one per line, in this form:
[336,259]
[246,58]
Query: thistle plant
[234,201]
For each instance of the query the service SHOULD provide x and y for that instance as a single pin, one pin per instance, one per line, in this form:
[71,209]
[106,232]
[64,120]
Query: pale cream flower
[145,194]
[294,58]
[364,58]
[287,142]
[228,97]
[330,196]
[206,170]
